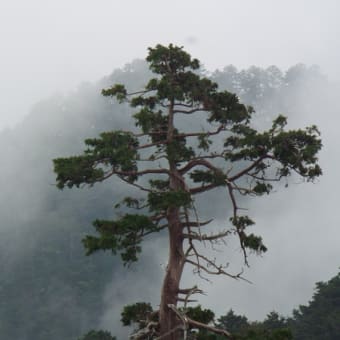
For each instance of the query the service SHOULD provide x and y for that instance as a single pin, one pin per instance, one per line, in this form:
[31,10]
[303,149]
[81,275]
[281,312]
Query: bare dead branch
[149,330]
[193,290]
[190,292]
[139,92]
[158,217]
[149,145]
[196,224]
[204,237]
[186,321]
[185,300]
[264,179]
[200,325]
[203,188]
[199,162]
[217,269]
[135,185]
[191,244]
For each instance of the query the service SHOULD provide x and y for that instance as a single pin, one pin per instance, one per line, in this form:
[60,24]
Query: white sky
[50,46]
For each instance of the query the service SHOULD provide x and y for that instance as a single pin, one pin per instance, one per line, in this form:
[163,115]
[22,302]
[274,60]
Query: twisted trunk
[167,318]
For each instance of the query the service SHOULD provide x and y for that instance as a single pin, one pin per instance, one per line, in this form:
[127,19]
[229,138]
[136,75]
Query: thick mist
[50,47]
[43,227]
[46,279]
[298,222]
[52,55]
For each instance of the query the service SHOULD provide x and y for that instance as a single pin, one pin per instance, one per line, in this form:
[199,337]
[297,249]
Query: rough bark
[167,318]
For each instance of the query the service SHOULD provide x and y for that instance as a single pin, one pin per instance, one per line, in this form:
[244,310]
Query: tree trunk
[167,318]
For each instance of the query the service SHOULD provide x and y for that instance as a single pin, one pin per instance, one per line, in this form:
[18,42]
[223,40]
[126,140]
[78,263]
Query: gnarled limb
[200,325]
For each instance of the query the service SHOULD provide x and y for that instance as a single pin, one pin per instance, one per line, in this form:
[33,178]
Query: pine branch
[188,112]
[204,237]
[239,232]
[249,168]
[198,162]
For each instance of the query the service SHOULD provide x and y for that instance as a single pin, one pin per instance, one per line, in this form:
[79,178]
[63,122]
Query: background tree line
[319,319]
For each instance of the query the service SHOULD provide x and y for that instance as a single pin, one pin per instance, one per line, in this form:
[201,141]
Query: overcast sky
[50,46]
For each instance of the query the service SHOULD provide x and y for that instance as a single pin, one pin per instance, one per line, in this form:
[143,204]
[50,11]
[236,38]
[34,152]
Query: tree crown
[171,162]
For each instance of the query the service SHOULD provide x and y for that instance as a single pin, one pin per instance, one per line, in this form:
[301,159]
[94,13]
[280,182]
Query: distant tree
[274,321]
[274,327]
[236,324]
[320,319]
[97,335]
[170,167]
[270,90]
[259,333]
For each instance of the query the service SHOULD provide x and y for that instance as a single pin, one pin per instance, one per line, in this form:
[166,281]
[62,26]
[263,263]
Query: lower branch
[149,330]
[213,269]
[188,293]
[204,237]
[187,322]
[196,324]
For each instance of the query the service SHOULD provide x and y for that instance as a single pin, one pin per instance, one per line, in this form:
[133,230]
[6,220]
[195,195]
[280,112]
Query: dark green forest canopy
[320,319]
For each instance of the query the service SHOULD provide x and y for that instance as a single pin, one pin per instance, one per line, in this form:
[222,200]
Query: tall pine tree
[171,167]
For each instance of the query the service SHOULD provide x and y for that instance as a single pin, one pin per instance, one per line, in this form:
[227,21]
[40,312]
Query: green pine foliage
[161,149]
[136,313]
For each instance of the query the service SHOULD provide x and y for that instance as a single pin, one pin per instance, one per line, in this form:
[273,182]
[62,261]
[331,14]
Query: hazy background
[50,47]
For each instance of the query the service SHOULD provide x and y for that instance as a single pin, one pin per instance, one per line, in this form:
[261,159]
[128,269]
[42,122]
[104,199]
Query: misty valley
[50,289]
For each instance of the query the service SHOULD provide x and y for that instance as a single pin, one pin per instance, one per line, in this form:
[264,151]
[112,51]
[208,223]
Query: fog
[299,224]
[54,56]
[52,46]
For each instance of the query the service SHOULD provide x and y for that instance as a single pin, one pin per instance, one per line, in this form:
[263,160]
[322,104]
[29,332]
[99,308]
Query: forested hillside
[318,320]
[49,289]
